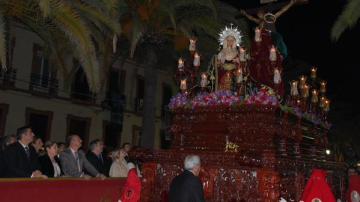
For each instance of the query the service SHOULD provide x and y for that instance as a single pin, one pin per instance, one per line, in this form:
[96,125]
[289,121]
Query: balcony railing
[44,84]
[82,97]
[8,78]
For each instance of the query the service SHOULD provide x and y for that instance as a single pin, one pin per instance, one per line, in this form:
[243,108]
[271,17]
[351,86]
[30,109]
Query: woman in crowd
[119,166]
[50,164]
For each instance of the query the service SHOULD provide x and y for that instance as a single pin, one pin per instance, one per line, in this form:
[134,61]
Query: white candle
[239,77]
[257,35]
[204,80]
[242,55]
[313,73]
[294,89]
[302,81]
[196,60]
[272,55]
[323,86]
[181,64]
[183,85]
[277,76]
[314,97]
[192,45]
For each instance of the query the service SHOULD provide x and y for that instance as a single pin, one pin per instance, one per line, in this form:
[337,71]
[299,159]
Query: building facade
[33,92]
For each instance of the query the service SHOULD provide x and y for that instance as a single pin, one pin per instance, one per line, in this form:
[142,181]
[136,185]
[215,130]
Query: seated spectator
[119,166]
[96,158]
[50,163]
[4,143]
[38,145]
[21,159]
[74,162]
[61,147]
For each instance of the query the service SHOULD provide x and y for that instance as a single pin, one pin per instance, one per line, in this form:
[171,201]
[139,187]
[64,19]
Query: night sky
[306,31]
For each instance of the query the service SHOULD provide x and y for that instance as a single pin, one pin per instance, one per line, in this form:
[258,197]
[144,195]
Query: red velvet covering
[60,190]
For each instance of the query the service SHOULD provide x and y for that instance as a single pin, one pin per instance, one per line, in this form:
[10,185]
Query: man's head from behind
[192,163]
[74,142]
[25,135]
[96,146]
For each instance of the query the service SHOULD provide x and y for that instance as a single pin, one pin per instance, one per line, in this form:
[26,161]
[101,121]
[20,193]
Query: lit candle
[181,64]
[323,87]
[314,97]
[277,76]
[183,85]
[327,105]
[302,81]
[272,55]
[257,35]
[242,55]
[305,91]
[322,101]
[239,75]
[294,89]
[313,72]
[204,80]
[196,60]
[298,102]
[192,45]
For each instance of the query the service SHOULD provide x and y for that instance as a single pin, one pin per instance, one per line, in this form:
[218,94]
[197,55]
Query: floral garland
[223,98]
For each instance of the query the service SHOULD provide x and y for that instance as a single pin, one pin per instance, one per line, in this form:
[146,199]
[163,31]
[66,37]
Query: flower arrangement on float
[265,96]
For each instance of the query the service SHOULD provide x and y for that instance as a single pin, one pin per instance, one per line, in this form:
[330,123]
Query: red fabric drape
[60,190]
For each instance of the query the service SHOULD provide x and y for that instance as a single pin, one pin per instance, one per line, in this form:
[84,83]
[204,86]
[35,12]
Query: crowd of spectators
[25,155]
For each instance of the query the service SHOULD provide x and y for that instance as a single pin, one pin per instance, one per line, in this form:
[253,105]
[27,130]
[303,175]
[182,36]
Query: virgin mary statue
[227,60]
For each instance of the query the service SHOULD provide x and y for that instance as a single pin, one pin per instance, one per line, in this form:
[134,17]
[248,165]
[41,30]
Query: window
[140,92]
[79,126]
[43,79]
[80,90]
[111,134]
[40,122]
[136,135]
[3,114]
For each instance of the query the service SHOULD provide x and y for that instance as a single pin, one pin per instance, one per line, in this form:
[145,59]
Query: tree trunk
[149,112]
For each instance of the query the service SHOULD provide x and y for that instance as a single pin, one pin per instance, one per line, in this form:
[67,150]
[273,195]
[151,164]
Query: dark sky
[306,31]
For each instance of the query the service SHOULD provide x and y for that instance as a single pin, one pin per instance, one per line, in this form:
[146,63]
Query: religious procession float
[257,142]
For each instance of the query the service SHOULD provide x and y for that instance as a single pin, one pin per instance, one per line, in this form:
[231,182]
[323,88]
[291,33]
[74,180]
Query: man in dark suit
[187,186]
[96,158]
[20,158]
[73,160]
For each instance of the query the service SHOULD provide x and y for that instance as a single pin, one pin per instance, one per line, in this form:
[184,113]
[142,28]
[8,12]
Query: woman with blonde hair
[119,166]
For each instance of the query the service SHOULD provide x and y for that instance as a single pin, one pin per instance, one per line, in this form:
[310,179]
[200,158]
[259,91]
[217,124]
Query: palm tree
[159,25]
[68,28]
[347,19]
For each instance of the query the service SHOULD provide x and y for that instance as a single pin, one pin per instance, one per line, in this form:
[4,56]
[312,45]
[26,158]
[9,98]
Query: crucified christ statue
[265,16]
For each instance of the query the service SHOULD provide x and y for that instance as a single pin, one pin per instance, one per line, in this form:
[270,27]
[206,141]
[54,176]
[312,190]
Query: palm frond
[79,34]
[347,19]
[44,6]
[137,33]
